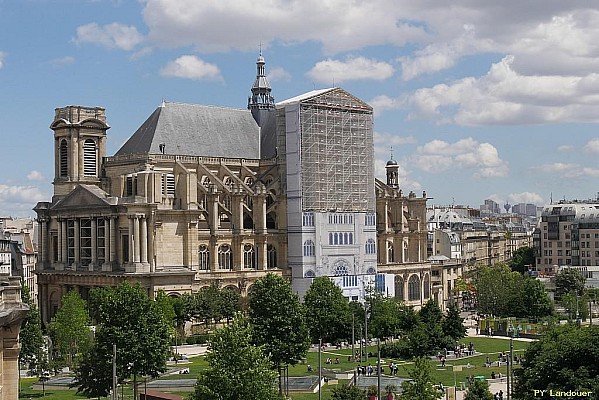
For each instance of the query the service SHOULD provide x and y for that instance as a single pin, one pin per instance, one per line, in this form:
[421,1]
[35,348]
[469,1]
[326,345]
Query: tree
[385,316]
[522,258]
[30,336]
[347,392]
[278,322]
[565,358]
[479,390]
[453,323]
[504,293]
[569,280]
[237,370]
[420,386]
[230,303]
[127,317]
[327,311]
[70,330]
[431,318]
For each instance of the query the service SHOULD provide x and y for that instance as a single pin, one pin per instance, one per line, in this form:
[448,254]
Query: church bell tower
[79,146]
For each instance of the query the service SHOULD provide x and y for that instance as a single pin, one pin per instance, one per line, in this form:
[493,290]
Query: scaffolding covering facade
[336,156]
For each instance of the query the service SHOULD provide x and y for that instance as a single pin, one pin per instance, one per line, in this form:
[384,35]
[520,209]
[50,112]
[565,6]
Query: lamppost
[510,366]
[319,370]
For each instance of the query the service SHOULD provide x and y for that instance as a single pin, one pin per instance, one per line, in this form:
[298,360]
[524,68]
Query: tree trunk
[135,386]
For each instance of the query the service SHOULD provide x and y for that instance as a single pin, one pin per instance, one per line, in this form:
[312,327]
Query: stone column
[137,240]
[64,244]
[94,238]
[131,234]
[143,238]
[213,254]
[77,243]
[44,240]
[406,293]
[262,249]
[150,232]
[112,253]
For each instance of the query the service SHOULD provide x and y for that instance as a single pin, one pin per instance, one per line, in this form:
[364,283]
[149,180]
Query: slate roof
[197,130]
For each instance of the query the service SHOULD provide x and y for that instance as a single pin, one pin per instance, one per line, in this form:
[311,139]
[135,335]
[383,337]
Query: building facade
[203,194]
[568,235]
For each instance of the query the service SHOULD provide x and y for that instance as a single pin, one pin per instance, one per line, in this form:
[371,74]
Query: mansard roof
[196,130]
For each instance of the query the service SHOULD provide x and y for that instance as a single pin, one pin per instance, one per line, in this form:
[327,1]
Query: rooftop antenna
[550,197]
[391,152]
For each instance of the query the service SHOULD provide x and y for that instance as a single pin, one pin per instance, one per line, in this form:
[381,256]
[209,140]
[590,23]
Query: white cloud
[527,197]
[191,67]
[592,146]
[213,25]
[278,74]
[66,60]
[35,176]
[2,58]
[383,103]
[19,200]
[505,97]
[439,56]
[439,156]
[113,35]
[565,148]
[353,68]
[568,170]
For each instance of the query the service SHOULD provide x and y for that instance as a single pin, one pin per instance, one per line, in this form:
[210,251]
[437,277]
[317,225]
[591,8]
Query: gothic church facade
[202,194]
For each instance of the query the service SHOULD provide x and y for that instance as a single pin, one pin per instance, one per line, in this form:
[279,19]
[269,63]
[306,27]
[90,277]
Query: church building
[205,194]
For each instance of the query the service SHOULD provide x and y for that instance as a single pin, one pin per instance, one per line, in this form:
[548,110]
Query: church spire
[261,98]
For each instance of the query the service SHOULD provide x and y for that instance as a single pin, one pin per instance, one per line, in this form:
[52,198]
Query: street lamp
[510,366]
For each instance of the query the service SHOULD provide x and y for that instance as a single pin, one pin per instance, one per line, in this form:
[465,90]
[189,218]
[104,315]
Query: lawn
[486,345]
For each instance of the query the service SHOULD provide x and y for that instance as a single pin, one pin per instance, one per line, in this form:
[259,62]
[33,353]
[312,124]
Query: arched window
[271,257]
[427,286]
[414,288]
[390,252]
[345,240]
[249,256]
[330,238]
[399,294]
[341,268]
[351,238]
[204,258]
[370,246]
[336,238]
[225,257]
[63,161]
[309,274]
[89,158]
[309,249]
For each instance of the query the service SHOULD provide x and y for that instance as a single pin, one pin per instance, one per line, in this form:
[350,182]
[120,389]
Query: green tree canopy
[420,386]
[30,336]
[327,311]
[278,321]
[504,293]
[385,316]
[70,330]
[479,390]
[348,392]
[237,370]
[565,358]
[569,280]
[453,323]
[522,258]
[127,317]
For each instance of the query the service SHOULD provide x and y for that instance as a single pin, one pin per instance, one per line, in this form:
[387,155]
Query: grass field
[490,347]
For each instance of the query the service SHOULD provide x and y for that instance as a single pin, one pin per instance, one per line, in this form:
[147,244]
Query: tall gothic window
[370,246]
[271,257]
[225,257]
[63,158]
[414,288]
[309,249]
[427,286]
[249,256]
[89,158]
[399,294]
[204,258]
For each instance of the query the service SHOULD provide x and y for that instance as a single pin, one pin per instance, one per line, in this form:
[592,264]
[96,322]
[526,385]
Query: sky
[477,98]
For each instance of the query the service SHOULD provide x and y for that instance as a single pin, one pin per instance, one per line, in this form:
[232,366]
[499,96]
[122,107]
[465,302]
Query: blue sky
[479,99]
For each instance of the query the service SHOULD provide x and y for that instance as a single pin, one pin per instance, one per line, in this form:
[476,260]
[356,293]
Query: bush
[198,339]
